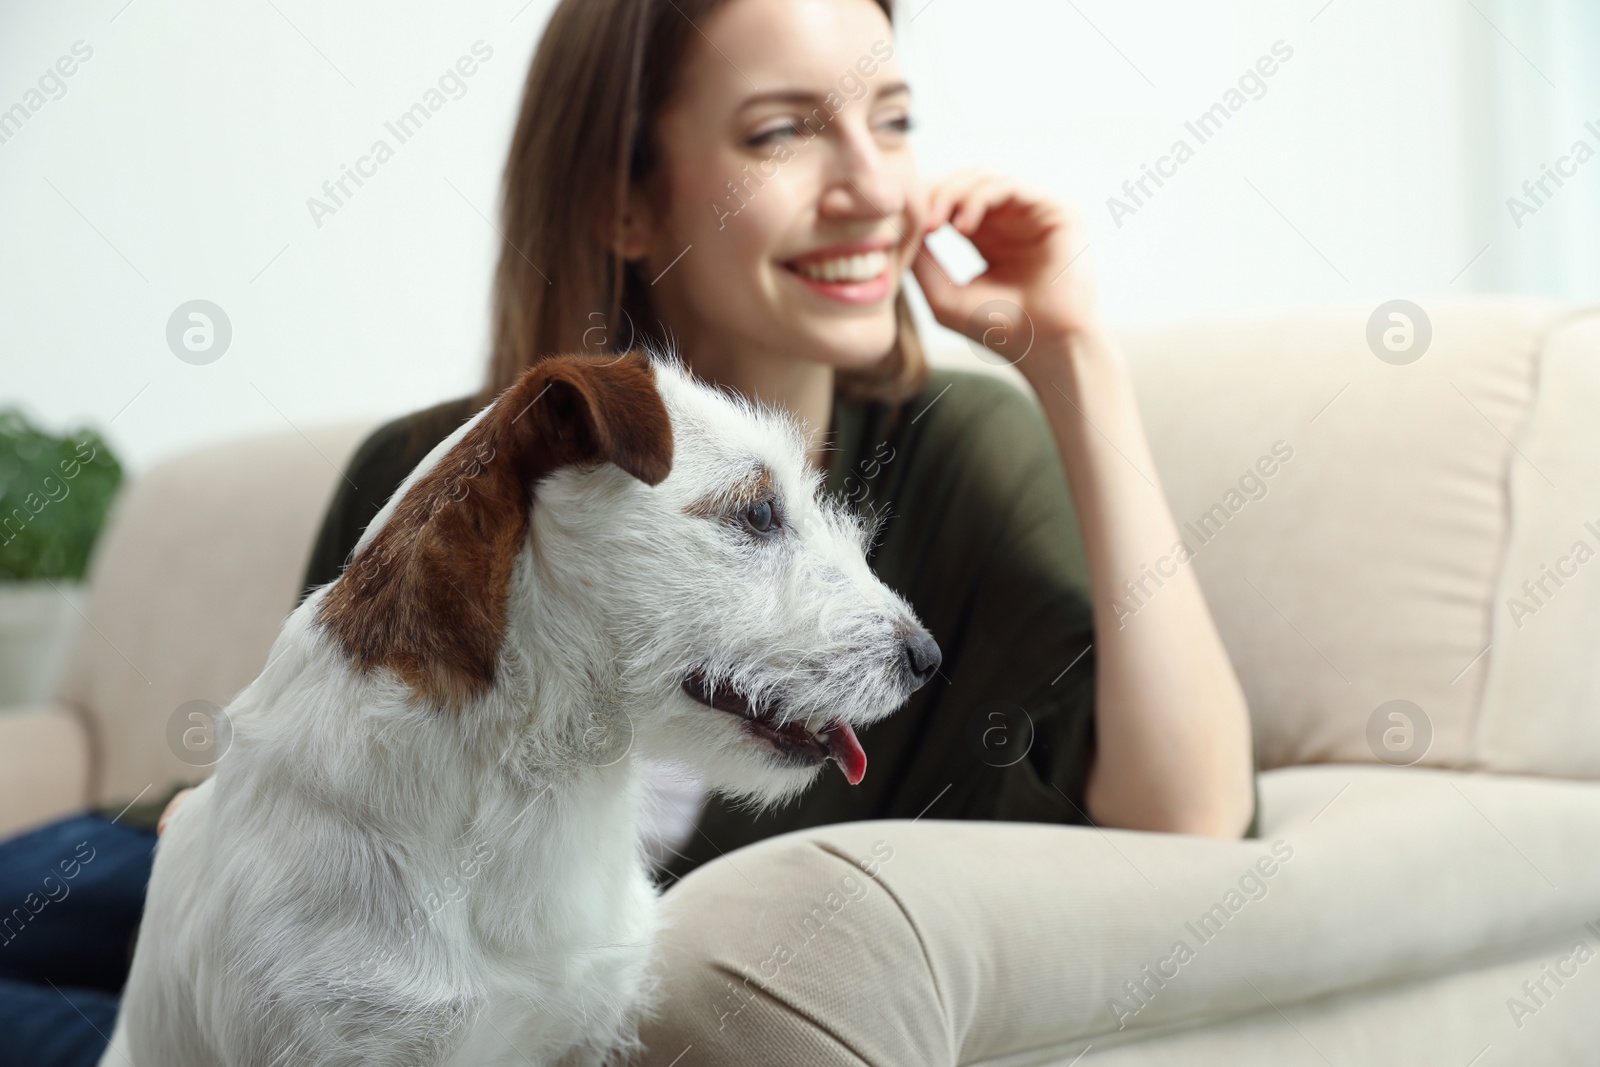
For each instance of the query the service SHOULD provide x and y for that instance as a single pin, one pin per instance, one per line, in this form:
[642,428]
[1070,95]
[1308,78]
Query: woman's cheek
[916,210]
[727,248]
[761,228]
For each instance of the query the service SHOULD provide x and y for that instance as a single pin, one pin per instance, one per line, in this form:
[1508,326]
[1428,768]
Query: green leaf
[55,493]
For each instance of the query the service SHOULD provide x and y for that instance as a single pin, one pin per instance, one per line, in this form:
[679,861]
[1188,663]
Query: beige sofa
[1442,912]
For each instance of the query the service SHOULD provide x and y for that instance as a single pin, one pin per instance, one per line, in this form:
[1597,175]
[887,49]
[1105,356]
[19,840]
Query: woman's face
[799,104]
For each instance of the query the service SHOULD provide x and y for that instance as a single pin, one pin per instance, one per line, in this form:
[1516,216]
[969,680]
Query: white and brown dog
[422,848]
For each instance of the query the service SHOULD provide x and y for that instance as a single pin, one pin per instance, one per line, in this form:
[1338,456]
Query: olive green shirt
[978,533]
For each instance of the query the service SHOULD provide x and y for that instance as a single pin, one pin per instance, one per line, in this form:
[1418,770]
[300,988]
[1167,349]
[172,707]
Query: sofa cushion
[44,766]
[1348,516]
[977,941]
[1474,1018]
[1541,710]
[200,562]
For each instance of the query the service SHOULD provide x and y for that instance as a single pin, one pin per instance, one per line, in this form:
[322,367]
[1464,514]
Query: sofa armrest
[44,766]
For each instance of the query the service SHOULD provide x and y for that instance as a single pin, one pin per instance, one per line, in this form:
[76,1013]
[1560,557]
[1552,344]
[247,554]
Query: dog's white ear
[426,596]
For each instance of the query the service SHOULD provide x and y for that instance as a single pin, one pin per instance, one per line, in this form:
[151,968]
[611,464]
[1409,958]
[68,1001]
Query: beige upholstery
[1366,567]
[1014,943]
[44,765]
[1376,563]
[1541,710]
[200,561]
[1368,571]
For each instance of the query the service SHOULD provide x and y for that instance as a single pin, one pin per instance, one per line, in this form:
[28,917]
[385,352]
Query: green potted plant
[55,493]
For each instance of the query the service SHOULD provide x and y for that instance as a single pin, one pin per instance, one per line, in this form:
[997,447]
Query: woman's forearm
[1174,746]
[1173,732]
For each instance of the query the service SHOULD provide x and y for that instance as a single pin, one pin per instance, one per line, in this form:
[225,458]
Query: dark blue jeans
[71,894]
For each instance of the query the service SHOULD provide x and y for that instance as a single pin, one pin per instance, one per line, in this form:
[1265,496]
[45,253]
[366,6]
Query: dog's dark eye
[761,518]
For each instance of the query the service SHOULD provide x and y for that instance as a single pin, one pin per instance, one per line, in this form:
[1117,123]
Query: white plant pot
[37,626]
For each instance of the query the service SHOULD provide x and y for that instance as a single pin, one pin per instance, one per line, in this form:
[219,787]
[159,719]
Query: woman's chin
[849,345]
[855,360]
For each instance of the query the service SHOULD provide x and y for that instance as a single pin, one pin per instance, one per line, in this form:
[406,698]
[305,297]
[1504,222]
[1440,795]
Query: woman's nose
[862,183]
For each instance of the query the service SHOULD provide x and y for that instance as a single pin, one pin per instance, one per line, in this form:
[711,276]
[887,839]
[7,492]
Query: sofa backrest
[1375,565]
[1361,527]
[1541,704]
[201,560]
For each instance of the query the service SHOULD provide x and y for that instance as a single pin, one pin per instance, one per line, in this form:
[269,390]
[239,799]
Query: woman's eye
[768,136]
[900,124]
[760,517]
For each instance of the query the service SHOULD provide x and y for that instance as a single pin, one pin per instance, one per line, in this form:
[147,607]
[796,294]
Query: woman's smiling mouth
[850,274]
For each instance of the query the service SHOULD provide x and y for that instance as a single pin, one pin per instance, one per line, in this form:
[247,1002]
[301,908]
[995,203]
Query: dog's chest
[581,986]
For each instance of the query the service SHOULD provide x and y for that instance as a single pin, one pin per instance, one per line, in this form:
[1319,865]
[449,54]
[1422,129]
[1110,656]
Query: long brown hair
[586,131]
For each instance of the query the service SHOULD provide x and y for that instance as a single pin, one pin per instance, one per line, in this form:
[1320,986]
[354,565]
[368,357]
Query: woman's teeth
[861,268]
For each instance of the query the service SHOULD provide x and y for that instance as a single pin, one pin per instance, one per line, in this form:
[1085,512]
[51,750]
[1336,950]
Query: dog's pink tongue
[846,751]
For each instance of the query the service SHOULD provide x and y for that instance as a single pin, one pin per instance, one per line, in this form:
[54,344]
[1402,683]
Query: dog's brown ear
[426,597]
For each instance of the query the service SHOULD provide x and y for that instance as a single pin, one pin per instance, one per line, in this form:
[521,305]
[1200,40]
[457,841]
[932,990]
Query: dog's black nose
[921,656]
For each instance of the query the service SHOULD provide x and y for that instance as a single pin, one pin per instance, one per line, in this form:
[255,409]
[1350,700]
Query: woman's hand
[171,809]
[1034,247]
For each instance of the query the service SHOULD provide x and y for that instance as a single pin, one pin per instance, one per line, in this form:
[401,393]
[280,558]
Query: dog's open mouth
[834,740]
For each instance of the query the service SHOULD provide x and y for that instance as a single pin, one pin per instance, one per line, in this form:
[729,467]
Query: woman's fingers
[172,807]
[951,304]
[1030,243]
[944,194]
[978,201]
[962,200]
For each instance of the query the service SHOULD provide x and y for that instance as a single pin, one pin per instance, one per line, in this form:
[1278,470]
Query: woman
[732,155]
[734,177]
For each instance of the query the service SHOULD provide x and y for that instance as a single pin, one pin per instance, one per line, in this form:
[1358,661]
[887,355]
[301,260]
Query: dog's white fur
[365,880]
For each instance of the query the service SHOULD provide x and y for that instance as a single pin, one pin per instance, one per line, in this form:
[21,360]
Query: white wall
[179,160]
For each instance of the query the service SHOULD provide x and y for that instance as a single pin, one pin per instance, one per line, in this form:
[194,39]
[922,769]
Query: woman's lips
[869,291]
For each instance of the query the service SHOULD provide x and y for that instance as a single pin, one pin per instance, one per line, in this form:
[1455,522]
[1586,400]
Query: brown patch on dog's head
[426,597]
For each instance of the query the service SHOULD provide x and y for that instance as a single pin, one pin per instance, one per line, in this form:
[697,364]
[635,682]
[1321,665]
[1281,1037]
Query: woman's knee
[792,950]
